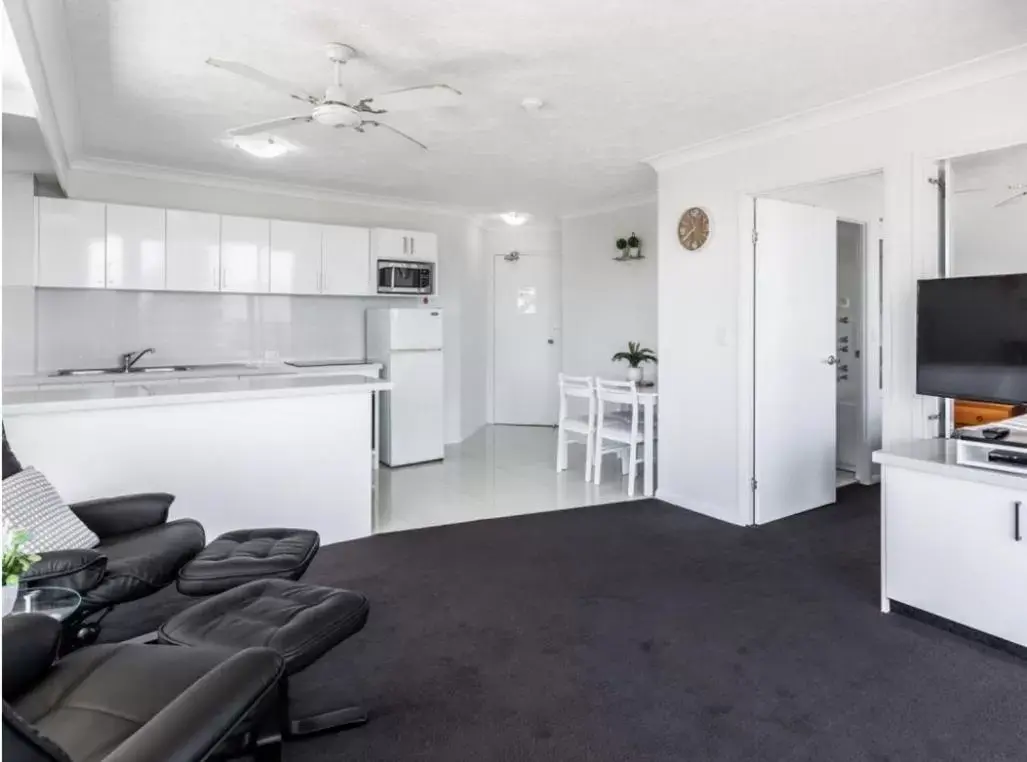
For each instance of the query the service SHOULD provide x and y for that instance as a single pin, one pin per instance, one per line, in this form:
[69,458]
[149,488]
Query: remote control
[994,432]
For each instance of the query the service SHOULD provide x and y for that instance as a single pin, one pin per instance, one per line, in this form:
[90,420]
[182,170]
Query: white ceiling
[622,81]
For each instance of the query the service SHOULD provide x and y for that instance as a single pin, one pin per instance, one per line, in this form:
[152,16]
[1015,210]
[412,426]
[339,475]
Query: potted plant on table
[15,562]
[635,357]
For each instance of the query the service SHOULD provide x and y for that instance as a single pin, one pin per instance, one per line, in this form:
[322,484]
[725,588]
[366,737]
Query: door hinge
[753,484]
[755,237]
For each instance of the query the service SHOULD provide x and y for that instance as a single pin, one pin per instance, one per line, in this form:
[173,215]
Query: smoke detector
[532,104]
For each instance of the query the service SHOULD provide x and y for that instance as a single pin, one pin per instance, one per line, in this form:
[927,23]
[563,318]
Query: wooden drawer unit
[971,413]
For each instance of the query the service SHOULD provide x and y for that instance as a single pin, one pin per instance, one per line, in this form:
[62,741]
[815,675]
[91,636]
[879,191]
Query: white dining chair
[618,420]
[577,387]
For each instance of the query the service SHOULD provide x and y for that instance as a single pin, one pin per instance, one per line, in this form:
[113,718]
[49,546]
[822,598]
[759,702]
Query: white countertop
[102,396]
[216,370]
[938,456]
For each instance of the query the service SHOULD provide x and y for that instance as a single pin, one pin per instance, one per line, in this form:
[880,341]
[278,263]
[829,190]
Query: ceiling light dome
[514,218]
[262,146]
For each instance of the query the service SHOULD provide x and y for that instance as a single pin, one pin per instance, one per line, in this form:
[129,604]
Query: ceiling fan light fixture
[262,146]
[514,218]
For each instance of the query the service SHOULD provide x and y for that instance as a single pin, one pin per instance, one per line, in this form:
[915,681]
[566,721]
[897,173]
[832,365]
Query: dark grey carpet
[642,631]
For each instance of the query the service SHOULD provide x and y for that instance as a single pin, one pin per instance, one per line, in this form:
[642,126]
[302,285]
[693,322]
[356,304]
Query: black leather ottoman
[301,622]
[244,555]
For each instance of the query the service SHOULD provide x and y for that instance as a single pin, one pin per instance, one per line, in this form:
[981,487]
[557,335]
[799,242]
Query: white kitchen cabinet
[956,547]
[135,247]
[423,246]
[193,245]
[245,244]
[347,264]
[72,243]
[296,258]
[389,243]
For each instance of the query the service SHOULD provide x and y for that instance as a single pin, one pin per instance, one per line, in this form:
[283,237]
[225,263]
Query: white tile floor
[843,478]
[500,471]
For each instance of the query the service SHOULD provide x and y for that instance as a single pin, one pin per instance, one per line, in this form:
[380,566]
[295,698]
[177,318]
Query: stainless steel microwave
[405,277]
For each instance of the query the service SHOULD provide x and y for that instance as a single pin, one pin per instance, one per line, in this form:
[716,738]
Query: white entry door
[526,346]
[795,358]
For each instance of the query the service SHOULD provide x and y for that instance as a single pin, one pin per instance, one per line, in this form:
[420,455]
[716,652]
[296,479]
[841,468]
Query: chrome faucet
[131,358]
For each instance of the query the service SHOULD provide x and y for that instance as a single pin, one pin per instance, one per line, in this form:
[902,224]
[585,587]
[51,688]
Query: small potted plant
[15,562]
[634,246]
[635,357]
[622,247]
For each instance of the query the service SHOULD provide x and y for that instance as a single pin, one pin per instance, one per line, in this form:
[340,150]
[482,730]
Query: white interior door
[526,346]
[795,358]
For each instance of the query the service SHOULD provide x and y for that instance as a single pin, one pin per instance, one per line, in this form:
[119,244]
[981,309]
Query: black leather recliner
[140,551]
[129,702]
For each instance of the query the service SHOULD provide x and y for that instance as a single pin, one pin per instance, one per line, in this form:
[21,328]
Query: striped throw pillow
[31,503]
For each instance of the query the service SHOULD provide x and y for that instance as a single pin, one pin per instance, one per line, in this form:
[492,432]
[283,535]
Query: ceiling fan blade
[1011,199]
[412,98]
[393,129]
[270,124]
[971,190]
[255,75]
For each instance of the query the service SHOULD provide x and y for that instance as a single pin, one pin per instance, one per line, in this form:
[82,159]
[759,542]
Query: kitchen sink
[122,371]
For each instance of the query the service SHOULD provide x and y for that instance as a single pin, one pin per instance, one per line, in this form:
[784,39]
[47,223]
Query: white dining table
[647,399]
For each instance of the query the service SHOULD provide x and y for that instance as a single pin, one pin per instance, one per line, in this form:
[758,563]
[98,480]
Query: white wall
[19,299]
[459,270]
[705,356]
[606,304]
[986,240]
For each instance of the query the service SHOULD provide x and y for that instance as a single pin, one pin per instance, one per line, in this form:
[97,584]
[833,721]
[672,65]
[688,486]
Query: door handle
[413,245]
[831,360]
[1017,533]
[404,244]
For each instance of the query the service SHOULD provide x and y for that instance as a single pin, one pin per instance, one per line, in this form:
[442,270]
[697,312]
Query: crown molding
[157,173]
[613,206]
[979,70]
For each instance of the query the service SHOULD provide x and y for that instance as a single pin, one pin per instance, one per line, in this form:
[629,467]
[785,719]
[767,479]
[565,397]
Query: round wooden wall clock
[694,228]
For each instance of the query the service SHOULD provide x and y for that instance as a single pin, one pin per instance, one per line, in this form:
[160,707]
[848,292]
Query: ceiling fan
[334,108]
[1019,192]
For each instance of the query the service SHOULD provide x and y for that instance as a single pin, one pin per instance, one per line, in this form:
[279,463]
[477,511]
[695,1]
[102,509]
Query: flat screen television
[971,340]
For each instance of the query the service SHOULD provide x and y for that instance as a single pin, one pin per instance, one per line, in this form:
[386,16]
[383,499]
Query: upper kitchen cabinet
[245,243]
[296,258]
[193,243]
[387,243]
[72,243]
[135,247]
[347,264]
[423,245]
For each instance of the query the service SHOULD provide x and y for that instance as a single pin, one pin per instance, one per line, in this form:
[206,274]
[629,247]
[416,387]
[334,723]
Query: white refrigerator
[408,343]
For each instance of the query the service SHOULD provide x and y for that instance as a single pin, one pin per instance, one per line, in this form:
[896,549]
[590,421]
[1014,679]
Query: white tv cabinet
[954,538]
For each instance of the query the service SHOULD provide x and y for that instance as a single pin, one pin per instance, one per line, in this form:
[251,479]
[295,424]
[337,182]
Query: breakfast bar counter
[237,453]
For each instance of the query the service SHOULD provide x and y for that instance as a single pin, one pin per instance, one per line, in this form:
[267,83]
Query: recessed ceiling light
[532,104]
[262,146]
[515,218]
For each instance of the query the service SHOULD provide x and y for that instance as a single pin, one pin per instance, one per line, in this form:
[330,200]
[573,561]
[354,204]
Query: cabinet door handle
[404,244]
[1017,532]
[413,245]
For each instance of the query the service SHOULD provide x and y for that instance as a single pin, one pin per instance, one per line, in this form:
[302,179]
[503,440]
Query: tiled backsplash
[76,329]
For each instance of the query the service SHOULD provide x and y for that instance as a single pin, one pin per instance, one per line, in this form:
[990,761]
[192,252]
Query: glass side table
[56,602]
